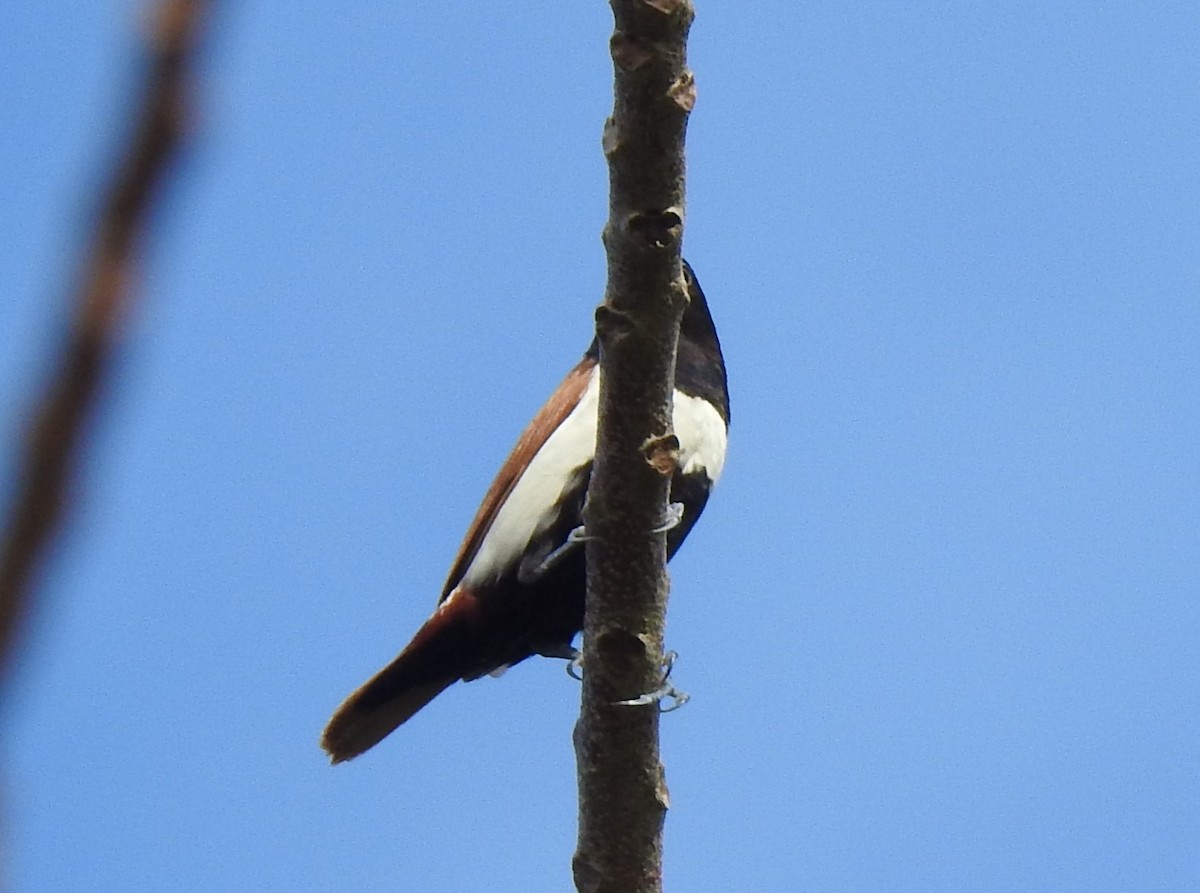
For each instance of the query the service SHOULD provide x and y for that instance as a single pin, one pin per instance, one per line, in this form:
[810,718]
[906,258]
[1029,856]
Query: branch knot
[612,324]
[662,453]
[683,91]
[630,53]
[658,228]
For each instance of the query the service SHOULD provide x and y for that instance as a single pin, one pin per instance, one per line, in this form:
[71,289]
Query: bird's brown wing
[564,399]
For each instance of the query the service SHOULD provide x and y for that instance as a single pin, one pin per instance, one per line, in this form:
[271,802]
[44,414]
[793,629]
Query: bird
[516,588]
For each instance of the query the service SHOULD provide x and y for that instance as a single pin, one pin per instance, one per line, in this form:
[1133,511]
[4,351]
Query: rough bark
[623,794]
[58,428]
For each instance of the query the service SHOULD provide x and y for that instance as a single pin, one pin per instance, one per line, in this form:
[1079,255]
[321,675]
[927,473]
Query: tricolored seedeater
[517,587]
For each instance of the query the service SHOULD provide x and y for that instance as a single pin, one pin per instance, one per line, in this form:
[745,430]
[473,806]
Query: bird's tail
[431,663]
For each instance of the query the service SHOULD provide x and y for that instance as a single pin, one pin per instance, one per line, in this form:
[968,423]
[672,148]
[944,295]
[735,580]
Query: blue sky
[940,620]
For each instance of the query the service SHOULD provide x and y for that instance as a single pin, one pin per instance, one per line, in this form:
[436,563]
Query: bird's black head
[699,364]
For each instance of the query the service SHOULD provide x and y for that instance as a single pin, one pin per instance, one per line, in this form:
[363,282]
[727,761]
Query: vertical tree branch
[623,795]
[56,434]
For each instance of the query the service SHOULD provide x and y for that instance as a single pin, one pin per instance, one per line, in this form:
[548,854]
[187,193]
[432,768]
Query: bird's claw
[665,691]
[580,535]
[674,516]
[575,667]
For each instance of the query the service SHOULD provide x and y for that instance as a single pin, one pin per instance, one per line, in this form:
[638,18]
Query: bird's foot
[665,692]
[578,535]
[674,516]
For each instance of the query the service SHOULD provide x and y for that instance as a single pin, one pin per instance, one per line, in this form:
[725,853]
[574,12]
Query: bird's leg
[573,656]
[574,539]
[563,650]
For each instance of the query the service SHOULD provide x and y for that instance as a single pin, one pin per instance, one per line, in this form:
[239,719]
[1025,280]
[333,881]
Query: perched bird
[517,586]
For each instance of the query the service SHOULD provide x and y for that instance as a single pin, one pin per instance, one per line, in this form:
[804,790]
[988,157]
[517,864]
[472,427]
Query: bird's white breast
[702,435]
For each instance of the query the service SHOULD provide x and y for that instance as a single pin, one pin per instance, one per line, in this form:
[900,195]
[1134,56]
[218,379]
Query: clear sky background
[940,621]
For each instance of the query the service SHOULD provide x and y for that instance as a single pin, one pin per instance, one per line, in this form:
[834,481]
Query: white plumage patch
[702,435]
[571,445]
[702,440]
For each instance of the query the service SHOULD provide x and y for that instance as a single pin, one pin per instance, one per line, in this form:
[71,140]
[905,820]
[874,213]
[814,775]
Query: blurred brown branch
[56,435]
